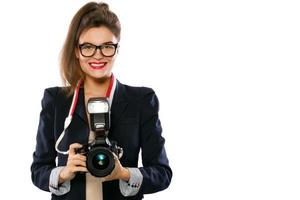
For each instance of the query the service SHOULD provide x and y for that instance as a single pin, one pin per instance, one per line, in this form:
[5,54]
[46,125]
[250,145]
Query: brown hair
[90,15]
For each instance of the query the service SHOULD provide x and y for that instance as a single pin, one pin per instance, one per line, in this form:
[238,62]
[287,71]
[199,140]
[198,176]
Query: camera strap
[109,94]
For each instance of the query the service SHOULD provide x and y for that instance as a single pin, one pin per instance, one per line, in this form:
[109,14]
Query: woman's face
[97,66]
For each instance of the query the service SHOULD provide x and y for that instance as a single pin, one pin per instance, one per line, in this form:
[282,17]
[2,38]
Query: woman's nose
[98,54]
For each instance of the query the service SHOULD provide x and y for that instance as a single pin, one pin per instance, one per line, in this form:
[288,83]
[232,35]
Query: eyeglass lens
[90,49]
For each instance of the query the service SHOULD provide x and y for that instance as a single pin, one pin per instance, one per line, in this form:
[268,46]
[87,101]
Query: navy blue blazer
[135,126]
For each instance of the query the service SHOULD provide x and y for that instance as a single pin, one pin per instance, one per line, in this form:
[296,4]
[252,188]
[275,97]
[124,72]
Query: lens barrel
[100,161]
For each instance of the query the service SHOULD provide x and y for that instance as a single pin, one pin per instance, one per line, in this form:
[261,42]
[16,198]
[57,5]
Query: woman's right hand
[75,163]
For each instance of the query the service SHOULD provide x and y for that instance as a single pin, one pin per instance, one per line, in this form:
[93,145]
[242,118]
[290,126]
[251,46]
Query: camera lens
[100,161]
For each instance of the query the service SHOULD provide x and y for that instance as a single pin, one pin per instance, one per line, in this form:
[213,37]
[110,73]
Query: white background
[226,73]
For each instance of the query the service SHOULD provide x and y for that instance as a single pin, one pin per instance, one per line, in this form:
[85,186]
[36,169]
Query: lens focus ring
[100,161]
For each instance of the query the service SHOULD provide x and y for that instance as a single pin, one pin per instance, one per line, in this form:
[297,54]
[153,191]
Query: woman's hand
[119,172]
[76,163]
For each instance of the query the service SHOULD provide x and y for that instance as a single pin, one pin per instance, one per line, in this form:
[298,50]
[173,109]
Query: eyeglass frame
[116,45]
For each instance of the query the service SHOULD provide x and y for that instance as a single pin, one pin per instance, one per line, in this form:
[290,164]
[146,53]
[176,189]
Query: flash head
[98,105]
[98,108]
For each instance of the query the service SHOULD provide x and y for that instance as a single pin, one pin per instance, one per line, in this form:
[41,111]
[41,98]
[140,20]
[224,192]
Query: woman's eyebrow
[109,42]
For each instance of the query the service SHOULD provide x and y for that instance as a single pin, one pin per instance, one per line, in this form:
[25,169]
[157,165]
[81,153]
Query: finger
[78,169]
[76,163]
[103,179]
[81,169]
[106,178]
[72,148]
[115,156]
[111,176]
[78,157]
[117,161]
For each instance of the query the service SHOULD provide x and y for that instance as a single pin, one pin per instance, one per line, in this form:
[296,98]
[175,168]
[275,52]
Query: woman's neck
[96,87]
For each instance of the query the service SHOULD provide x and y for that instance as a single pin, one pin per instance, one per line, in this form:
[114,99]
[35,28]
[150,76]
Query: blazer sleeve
[45,154]
[156,171]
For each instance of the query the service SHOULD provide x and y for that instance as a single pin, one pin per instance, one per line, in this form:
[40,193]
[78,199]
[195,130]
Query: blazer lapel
[119,104]
[80,107]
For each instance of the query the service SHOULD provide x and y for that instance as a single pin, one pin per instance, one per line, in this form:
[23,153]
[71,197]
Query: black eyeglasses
[89,50]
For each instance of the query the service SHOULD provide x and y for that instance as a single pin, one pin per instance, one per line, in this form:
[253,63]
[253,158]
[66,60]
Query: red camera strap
[109,94]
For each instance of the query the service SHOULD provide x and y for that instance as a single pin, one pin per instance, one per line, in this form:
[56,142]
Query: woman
[87,60]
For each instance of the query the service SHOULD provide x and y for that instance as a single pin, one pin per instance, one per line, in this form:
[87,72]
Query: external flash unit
[98,108]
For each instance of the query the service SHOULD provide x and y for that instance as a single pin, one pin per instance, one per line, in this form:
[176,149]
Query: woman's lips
[97,65]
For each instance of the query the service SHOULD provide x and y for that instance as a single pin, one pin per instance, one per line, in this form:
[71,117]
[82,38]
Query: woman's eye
[87,47]
[108,46]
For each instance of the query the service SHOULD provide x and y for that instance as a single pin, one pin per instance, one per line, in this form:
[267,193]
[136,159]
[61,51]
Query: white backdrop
[226,74]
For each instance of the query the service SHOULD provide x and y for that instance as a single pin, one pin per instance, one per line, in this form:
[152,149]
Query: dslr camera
[100,159]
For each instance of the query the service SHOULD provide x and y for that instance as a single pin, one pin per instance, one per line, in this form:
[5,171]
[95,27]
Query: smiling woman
[93,24]
[97,64]
[87,61]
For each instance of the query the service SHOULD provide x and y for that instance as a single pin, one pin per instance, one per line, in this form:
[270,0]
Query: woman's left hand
[119,172]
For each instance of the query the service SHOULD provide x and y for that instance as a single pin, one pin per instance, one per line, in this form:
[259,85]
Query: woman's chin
[100,78]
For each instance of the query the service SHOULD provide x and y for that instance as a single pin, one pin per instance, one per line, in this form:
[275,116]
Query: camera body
[100,159]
